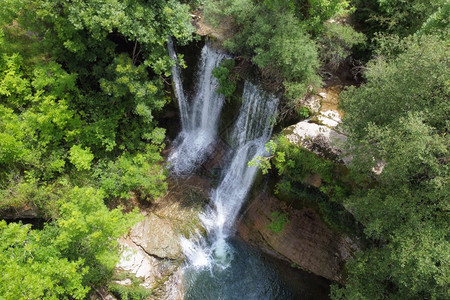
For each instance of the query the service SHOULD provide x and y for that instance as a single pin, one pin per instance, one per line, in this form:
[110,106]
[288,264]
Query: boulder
[157,237]
[152,249]
[321,133]
[161,276]
[305,240]
[312,102]
[320,139]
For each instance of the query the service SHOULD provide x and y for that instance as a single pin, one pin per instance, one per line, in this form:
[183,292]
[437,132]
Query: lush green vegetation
[287,40]
[397,118]
[80,85]
[225,76]
[279,220]
[400,117]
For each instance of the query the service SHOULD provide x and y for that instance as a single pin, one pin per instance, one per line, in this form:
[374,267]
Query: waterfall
[199,119]
[251,132]
[178,86]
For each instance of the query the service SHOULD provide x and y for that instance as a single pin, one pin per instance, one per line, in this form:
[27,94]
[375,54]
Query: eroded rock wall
[305,240]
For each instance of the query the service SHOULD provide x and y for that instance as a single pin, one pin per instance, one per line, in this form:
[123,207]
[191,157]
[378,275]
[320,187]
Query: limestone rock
[327,121]
[319,139]
[312,102]
[321,134]
[305,240]
[152,249]
[157,237]
[158,274]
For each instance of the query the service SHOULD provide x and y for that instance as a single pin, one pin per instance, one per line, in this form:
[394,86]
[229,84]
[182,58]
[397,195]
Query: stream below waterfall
[218,264]
[252,275]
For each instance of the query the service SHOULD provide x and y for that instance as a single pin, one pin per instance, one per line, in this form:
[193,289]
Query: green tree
[274,38]
[80,84]
[281,37]
[32,268]
[398,118]
[396,16]
[68,256]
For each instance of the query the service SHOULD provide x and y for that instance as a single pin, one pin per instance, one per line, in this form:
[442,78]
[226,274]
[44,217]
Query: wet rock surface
[305,240]
[152,251]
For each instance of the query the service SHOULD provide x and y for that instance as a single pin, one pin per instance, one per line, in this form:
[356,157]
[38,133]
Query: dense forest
[84,83]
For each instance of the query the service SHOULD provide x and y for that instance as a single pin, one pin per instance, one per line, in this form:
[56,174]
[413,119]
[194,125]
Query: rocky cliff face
[305,240]
[152,250]
[321,133]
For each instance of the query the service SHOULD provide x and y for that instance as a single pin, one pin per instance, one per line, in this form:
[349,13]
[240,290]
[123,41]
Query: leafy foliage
[396,17]
[304,112]
[87,229]
[80,84]
[399,118]
[33,269]
[402,85]
[278,221]
[82,252]
[274,38]
[227,80]
[338,41]
[142,173]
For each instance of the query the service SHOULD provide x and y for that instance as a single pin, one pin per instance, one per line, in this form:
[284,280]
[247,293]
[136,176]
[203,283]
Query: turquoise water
[252,275]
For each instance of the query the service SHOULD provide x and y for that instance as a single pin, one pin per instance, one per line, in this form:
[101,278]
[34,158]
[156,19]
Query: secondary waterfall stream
[251,132]
[199,119]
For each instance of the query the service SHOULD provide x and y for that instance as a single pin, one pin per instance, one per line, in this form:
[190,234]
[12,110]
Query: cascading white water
[178,86]
[251,132]
[199,119]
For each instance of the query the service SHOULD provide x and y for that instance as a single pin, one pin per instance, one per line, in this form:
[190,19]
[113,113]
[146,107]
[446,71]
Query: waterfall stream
[199,117]
[219,265]
[178,86]
[251,132]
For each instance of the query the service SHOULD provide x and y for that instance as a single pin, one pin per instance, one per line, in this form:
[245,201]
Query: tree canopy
[282,38]
[80,85]
[400,118]
[83,83]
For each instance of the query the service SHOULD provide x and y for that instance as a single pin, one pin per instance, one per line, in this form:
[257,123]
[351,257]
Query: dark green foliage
[227,80]
[278,221]
[438,23]
[80,84]
[274,38]
[338,41]
[312,13]
[287,40]
[402,88]
[397,16]
[400,117]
